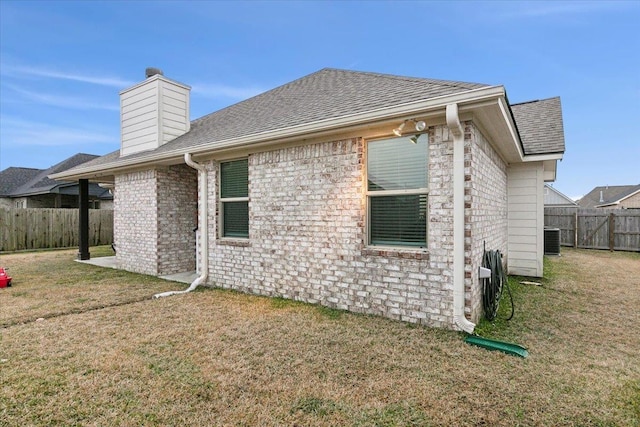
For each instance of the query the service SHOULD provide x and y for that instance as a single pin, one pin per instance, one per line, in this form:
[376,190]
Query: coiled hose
[492,286]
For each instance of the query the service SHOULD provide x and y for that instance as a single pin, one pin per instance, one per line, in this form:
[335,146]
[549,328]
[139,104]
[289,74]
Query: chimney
[601,197]
[153,113]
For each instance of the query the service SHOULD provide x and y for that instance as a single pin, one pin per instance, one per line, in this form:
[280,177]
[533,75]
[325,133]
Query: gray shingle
[13,177]
[326,94]
[36,180]
[540,126]
[610,194]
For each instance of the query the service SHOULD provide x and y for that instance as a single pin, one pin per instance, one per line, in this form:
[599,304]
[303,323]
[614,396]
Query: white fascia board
[542,157]
[629,195]
[281,135]
[508,117]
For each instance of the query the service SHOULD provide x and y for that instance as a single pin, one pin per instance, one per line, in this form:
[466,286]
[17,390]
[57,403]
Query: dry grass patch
[221,358]
[51,283]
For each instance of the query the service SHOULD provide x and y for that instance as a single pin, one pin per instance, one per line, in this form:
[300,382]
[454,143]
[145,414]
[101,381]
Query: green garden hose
[492,286]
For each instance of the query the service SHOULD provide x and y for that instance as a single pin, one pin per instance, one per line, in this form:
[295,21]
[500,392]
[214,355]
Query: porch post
[83,211]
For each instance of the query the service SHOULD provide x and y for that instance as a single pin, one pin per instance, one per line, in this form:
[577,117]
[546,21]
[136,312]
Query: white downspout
[453,123]
[203,245]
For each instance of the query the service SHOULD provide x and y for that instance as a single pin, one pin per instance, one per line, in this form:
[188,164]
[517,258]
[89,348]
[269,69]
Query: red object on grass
[5,280]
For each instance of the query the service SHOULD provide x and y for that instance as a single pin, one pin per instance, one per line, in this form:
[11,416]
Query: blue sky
[62,64]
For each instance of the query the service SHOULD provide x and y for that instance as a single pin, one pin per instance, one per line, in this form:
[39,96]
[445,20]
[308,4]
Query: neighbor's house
[361,191]
[31,188]
[553,198]
[612,197]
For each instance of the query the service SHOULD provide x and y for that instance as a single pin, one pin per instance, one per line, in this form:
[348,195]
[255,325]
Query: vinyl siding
[153,113]
[526,219]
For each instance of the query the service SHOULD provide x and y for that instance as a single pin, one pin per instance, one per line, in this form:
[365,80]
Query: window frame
[223,200]
[405,192]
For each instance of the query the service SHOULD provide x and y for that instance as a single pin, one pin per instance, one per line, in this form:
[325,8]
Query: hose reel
[494,280]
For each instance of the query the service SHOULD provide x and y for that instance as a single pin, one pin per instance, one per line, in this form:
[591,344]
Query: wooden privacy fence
[51,228]
[613,229]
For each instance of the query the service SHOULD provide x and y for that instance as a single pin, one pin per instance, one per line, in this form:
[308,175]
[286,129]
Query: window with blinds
[234,198]
[397,191]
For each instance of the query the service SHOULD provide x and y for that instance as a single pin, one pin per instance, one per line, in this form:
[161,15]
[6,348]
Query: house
[360,191]
[31,188]
[612,197]
[555,199]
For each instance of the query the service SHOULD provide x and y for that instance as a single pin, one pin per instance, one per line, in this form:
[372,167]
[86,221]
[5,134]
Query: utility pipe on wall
[453,123]
[203,177]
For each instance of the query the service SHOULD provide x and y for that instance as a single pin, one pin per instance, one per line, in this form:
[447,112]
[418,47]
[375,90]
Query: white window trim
[369,194]
[223,200]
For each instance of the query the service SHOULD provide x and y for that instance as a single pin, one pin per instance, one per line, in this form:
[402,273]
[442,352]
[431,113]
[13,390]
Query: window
[397,191]
[234,198]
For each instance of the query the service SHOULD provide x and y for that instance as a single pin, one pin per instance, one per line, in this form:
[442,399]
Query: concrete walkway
[110,262]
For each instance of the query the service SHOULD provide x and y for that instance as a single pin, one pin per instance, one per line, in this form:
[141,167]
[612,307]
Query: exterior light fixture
[414,138]
[398,131]
[419,125]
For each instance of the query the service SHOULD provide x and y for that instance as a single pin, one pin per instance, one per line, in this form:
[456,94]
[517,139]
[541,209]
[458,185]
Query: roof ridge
[23,168]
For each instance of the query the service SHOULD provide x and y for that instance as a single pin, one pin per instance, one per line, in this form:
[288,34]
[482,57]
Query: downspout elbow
[453,123]
[203,176]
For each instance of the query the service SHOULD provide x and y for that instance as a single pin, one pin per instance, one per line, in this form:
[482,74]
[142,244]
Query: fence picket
[51,228]
[614,229]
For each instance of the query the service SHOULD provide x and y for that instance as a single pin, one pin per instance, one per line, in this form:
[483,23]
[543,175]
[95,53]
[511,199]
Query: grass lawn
[105,353]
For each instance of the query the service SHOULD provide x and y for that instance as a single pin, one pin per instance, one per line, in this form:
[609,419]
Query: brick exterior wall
[307,236]
[307,229]
[155,213]
[177,217]
[485,212]
[134,222]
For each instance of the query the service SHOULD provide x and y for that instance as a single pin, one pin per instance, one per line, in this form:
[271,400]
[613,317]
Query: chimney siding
[153,113]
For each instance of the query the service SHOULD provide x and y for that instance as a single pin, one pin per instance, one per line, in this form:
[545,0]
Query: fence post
[612,224]
[575,229]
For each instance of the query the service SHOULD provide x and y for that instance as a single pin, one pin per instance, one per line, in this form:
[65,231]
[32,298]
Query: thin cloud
[61,101]
[17,71]
[553,9]
[224,91]
[22,133]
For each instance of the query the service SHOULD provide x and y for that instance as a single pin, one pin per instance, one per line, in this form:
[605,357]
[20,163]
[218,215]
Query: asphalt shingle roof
[13,177]
[610,194]
[25,181]
[540,126]
[326,94]
[333,93]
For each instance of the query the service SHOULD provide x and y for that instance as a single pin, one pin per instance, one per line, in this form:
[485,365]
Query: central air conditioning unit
[552,241]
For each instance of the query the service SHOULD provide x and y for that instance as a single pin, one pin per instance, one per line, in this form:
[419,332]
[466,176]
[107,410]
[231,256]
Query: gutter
[203,177]
[453,123]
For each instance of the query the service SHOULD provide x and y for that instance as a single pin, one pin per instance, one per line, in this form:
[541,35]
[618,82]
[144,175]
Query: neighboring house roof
[553,197]
[540,126]
[325,97]
[608,195]
[13,177]
[22,182]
